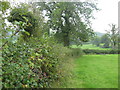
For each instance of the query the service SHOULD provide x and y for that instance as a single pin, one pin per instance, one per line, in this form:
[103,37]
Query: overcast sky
[107,15]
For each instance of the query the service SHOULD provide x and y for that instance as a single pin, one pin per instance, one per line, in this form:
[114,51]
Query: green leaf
[26,32]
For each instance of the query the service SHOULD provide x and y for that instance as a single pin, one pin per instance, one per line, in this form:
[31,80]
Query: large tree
[71,20]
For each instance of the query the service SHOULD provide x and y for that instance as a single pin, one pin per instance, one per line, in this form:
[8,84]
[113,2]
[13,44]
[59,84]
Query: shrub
[29,65]
[16,70]
[35,63]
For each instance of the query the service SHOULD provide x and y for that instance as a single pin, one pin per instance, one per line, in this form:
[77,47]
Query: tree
[105,40]
[113,34]
[96,41]
[71,20]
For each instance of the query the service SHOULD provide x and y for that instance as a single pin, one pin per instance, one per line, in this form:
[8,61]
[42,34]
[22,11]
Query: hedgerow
[28,66]
[33,64]
[93,51]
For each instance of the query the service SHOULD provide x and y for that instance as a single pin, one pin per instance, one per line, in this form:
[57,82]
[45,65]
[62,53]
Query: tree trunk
[66,40]
[66,30]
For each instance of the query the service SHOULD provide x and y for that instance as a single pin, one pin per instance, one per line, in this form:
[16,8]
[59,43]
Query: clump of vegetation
[71,20]
[22,14]
[34,64]
[30,65]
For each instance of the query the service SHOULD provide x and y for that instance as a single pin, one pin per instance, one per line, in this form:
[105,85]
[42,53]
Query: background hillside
[99,34]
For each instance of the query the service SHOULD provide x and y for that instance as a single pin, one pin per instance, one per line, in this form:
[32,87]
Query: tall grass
[67,64]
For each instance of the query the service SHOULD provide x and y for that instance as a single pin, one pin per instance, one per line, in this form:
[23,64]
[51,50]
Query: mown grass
[95,71]
[91,71]
[89,46]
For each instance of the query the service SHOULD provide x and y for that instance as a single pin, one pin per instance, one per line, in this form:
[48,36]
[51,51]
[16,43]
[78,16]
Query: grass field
[95,71]
[89,46]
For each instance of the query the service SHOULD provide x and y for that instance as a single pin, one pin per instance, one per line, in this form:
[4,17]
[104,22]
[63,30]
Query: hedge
[34,64]
[93,51]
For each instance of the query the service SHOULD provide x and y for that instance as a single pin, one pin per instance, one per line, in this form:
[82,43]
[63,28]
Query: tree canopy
[71,20]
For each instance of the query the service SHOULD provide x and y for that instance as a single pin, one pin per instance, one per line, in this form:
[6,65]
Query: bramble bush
[33,64]
[28,65]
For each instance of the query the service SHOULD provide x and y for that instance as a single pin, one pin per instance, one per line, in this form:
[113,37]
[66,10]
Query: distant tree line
[109,40]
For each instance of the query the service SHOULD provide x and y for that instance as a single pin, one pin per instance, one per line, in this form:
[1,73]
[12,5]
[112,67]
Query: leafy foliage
[21,13]
[33,64]
[71,20]
[4,5]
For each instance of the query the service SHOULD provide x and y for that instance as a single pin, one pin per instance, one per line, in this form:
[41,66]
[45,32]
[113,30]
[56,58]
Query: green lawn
[95,71]
[89,46]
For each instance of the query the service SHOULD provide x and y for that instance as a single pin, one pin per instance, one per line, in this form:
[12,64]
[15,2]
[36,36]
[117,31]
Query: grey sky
[107,15]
